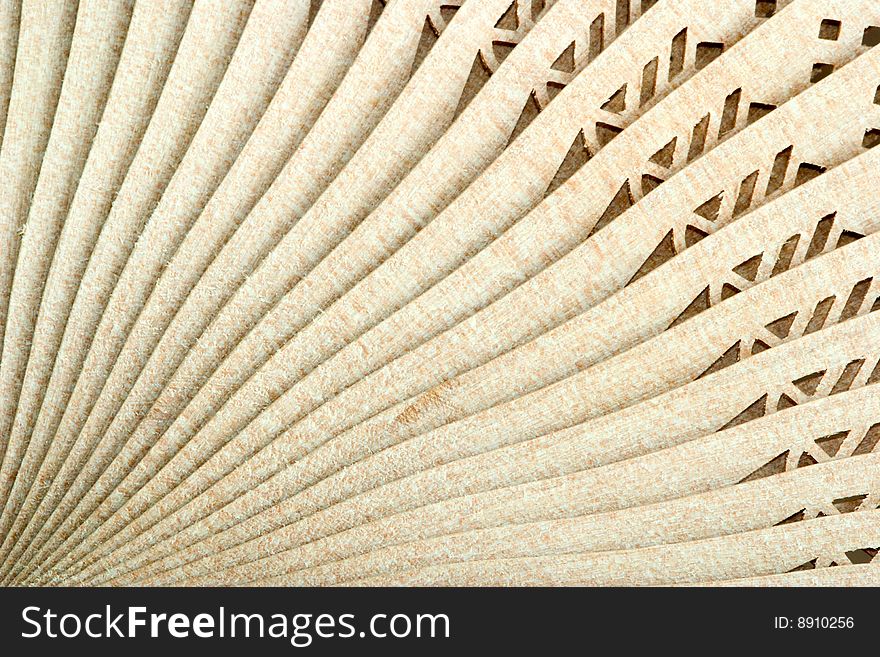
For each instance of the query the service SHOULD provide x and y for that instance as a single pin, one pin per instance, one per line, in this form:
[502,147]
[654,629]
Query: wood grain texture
[459,292]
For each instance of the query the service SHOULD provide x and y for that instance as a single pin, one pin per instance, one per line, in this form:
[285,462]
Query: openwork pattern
[477,292]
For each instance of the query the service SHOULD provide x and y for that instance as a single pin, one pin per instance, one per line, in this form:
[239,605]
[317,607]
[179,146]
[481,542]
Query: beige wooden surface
[474,292]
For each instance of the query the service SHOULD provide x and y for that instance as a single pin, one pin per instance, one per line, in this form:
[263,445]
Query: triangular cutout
[565,61]
[538,7]
[376,9]
[621,16]
[794,517]
[501,50]
[617,102]
[774,467]
[757,409]
[698,139]
[649,82]
[871,138]
[782,326]
[810,383]
[758,346]
[848,237]
[809,565]
[831,444]
[509,19]
[758,111]
[621,202]
[553,89]
[313,11]
[728,290]
[726,359]
[692,235]
[650,183]
[529,112]
[709,210]
[577,156]
[765,8]
[806,172]
[820,71]
[597,37]
[664,157]
[785,402]
[857,557]
[426,42]
[448,12]
[695,307]
[749,268]
[663,252]
[477,78]
[606,132]
[849,504]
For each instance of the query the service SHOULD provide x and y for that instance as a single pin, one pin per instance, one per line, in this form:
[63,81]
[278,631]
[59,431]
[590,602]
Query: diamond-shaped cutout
[829,30]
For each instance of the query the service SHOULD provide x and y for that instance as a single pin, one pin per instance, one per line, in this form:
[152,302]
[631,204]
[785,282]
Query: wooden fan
[435,292]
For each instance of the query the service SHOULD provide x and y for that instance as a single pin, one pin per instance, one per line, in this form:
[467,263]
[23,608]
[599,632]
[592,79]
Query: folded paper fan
[439,292]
